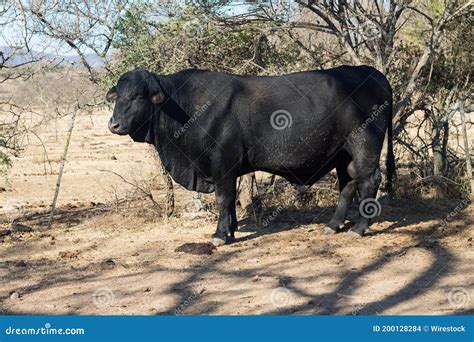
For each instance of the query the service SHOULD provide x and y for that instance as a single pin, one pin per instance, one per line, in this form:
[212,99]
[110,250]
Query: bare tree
[467,151]
[88,28]
[367,30]
[15,56]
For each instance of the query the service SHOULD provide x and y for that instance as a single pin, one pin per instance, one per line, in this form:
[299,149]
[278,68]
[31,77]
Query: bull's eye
[137,97]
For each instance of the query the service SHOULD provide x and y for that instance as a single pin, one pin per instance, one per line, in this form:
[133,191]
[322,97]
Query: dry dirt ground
[104,256]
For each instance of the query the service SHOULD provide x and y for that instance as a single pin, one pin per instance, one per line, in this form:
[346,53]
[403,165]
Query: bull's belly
[301,169]
[301,176]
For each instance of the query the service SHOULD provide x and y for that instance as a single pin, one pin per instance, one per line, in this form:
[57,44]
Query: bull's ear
[157,98]
[111,94]
[154,89]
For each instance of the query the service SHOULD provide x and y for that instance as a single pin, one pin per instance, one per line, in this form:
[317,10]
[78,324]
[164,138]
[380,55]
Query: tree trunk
[61,168]
[246,191]
[167,181]
[437,151]
[246,196]
[439,156]
[169,190]
[466,146]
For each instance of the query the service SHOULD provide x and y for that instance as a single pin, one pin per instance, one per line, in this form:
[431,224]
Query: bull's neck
[176,104]
[171,115]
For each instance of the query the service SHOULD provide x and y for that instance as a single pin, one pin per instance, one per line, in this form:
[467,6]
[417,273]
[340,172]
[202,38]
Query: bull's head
[136,95]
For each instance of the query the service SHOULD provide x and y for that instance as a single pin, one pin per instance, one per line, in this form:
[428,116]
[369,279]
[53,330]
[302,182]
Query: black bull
[211,127]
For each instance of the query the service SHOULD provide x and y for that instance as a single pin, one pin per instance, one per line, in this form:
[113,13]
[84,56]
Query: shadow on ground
[397,217]
[401,215]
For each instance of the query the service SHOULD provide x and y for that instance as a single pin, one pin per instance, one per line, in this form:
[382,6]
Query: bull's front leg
[227,224]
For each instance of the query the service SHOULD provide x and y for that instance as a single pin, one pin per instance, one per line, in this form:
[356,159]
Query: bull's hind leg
[227,223]
[347,188]
[365,150]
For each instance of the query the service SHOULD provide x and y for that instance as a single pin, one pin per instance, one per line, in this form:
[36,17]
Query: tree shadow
[439,268]
[401,214]
[69,216]
[193,292]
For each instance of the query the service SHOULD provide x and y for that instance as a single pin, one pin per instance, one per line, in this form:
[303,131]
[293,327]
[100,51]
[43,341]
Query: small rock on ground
[197,248]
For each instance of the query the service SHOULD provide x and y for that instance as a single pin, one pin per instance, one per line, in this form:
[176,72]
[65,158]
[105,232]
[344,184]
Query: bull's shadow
[278,219]
[285,219]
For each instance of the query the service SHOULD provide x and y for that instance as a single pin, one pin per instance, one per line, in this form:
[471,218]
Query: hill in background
[23,56]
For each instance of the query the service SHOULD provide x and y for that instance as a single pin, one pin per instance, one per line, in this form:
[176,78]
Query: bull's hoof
[355,234]
[224,239]
[329,231]
[217,241]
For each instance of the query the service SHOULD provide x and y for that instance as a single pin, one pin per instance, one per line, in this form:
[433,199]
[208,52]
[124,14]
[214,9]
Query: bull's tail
[390,162]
